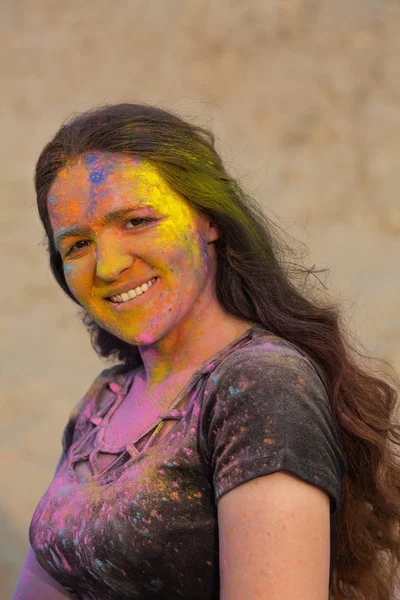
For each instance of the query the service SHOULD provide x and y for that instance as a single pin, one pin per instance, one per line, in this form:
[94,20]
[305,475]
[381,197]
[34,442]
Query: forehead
[99,173]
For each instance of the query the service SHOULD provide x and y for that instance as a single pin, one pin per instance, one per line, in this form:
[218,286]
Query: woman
[236,449]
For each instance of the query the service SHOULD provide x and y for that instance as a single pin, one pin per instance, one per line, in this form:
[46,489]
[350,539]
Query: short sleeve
[272,413]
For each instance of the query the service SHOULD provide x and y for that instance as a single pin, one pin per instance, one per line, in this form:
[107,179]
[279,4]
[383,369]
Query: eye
[139,219]
[75,246]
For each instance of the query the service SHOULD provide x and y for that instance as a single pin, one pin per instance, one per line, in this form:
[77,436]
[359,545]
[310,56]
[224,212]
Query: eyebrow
[108,219]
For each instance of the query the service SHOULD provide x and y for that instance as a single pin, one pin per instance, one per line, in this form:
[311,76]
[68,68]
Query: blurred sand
[303,97]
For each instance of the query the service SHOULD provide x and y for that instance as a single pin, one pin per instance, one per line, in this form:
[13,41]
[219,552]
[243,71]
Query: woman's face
[98,206]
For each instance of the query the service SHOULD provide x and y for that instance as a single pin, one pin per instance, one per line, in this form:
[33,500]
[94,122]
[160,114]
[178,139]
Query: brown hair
[255,281]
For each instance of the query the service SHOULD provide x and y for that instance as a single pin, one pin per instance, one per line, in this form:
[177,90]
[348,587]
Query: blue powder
[234,391]
[96,177]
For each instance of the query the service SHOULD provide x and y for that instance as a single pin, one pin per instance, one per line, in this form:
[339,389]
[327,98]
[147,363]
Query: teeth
[138,291]
[131,294]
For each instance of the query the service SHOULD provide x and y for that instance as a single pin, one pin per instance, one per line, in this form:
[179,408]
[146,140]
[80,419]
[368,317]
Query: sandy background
[303,97]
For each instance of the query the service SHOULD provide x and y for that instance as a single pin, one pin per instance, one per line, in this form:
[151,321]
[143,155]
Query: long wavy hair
[256,281]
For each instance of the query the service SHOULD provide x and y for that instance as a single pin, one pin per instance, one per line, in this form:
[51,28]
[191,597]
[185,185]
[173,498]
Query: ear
[213,232]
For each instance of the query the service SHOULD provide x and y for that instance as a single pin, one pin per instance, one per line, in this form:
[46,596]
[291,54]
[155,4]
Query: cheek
[196,251]
[73,278]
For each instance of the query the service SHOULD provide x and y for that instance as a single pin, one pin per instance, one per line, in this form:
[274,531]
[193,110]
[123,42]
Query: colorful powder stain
[96,177]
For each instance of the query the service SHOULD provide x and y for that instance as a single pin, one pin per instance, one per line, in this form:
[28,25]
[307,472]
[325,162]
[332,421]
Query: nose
[112,259]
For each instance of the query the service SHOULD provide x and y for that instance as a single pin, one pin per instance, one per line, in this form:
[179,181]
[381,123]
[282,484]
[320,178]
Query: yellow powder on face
[171,246]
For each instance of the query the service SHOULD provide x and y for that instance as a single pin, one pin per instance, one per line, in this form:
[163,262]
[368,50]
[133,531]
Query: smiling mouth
[132,294]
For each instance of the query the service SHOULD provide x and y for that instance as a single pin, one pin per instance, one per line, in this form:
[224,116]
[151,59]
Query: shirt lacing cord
[101,419]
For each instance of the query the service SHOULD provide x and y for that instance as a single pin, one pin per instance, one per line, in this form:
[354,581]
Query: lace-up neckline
[92,443]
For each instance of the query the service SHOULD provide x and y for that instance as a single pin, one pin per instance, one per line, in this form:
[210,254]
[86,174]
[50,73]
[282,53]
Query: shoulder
[267,376]
[109,374]
[265,346]
[266,358]
[266,410]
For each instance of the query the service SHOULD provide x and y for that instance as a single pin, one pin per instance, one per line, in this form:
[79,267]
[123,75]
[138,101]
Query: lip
[142,299]
[127,287]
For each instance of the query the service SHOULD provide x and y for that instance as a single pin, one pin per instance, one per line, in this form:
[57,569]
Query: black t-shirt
[147,526]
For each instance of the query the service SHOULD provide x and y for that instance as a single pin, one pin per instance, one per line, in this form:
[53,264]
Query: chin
[142,338]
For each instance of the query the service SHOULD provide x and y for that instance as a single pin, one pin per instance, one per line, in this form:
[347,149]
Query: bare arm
[36,584]
[274,540]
